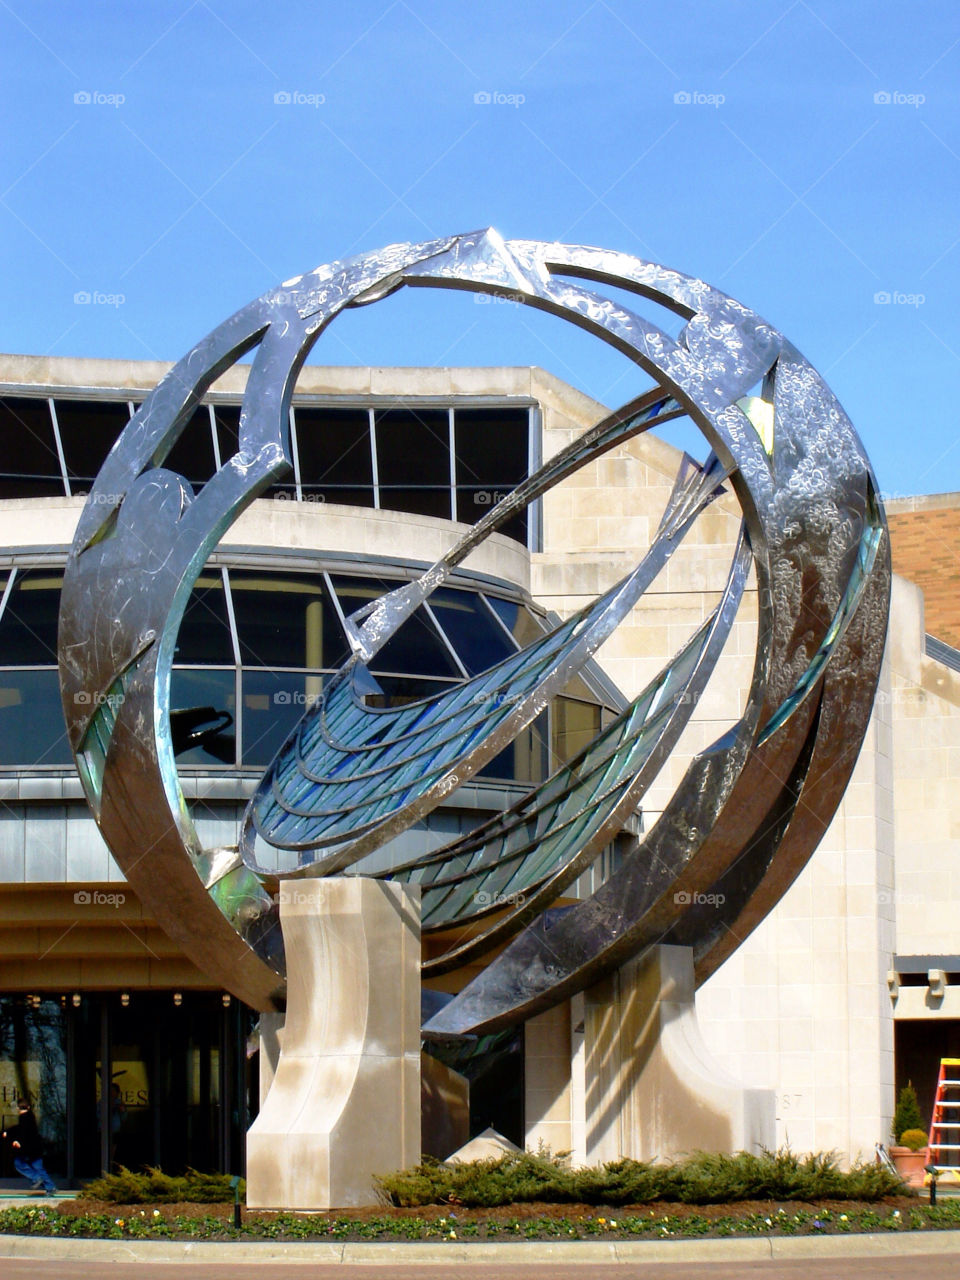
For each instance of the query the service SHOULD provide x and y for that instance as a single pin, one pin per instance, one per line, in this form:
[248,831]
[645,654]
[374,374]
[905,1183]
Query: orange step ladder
[945,1124]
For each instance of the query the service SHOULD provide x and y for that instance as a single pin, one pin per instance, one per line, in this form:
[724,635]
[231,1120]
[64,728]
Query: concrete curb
[907,1244]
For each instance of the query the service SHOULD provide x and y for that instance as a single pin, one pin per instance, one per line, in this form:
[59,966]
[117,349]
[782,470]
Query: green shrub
[153,1186]
[907,1114]
[702,1178]
[915,1139]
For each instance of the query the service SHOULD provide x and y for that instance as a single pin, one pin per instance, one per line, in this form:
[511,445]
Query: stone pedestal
[344,1103]
[652,1089]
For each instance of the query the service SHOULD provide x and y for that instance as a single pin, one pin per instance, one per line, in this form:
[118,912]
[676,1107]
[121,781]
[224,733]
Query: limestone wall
[802,1006]
[925,705]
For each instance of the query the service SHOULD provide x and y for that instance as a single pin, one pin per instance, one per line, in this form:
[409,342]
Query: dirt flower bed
[531,1221]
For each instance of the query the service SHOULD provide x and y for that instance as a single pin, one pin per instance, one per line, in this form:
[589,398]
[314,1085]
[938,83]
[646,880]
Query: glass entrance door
[174,1067]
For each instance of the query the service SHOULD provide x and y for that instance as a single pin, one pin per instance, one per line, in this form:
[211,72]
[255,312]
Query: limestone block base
[344,1103]
[652,1089]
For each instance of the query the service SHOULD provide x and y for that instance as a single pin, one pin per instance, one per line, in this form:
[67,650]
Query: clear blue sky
[784,182]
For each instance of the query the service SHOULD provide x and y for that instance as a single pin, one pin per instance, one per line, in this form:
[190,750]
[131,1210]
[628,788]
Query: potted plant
[909,1152]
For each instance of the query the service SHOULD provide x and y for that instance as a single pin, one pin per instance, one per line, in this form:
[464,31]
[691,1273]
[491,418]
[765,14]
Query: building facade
[832,1001]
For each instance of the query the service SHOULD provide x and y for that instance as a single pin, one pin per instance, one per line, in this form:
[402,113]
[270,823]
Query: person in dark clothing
[24,1137]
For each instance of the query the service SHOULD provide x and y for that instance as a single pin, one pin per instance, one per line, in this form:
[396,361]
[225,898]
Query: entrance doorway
[149,1078]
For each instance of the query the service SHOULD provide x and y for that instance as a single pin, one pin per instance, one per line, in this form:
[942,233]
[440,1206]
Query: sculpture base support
[344,1104]
[652,1088]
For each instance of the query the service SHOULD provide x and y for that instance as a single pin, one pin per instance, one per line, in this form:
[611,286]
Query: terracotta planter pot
[909,1164]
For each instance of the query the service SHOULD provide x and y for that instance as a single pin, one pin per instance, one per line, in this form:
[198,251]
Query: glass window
[416,649]
[273,703]
[335,461]
[204,635]
[28,627]
[525,759]
[32,729]
[192,455]
[578,688]
[228,429]
[524,626]
[478,640]
[286,620]
[413,461]
[575,725]
[31,466]
[227,418]
[88,431]
[33,1064]
[202,711]
[492,447]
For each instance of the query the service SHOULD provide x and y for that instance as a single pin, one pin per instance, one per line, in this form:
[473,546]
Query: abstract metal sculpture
[750,809]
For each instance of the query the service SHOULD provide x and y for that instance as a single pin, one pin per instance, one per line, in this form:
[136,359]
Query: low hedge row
[524,1177]
[153,1186]
[702,1178]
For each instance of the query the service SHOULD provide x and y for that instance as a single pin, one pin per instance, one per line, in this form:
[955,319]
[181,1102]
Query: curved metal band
[807,501]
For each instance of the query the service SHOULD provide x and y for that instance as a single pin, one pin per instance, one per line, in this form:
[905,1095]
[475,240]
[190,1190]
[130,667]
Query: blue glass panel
[202,713]
[415,650]
[286,620]
[273,702]
[480,643]
[28,628]
[32,730]
[30,467]
[204,635]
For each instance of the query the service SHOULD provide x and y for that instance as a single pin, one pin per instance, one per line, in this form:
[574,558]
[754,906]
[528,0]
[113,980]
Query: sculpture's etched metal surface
[751,807]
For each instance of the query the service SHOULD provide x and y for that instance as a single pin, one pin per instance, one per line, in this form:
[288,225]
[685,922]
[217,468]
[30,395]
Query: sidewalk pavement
[907,1244]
